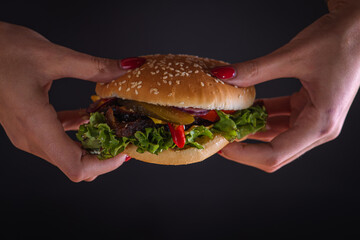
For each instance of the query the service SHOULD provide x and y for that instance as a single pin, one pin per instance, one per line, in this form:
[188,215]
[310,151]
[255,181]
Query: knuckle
[18,143]
[250,69]
[330,128]
[272,164]
[100,64]
[75,174]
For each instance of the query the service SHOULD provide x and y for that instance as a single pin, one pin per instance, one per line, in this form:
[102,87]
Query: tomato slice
[213,117]
[178,134]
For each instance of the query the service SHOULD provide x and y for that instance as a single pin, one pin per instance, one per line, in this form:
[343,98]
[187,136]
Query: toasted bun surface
[184,156]
[180,81]
[180,157]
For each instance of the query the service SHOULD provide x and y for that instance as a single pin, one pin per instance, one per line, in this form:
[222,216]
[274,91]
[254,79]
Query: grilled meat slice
[126,124]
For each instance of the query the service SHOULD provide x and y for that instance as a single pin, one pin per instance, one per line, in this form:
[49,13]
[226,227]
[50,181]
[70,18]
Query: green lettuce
[241,123]
[195,133]
[98,138]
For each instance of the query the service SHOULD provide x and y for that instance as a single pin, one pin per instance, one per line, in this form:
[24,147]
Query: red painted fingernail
[220,152]
[132,62]
[223,72]
[127,158]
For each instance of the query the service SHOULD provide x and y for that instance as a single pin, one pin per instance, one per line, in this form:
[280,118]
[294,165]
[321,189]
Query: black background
[317,194]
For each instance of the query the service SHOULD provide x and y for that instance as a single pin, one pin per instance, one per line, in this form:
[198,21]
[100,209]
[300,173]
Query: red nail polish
[132,62]
[127,158]
[223,72]
[220,152]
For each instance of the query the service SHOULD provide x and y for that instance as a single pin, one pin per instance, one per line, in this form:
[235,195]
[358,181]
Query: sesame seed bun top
[180,81]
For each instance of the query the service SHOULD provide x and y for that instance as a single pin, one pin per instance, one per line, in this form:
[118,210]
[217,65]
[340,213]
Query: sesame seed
[152,73]
[158,83]
[154,90]
[139,86]
[202,84]
[170,83]
[181,103]
[119,88]
[165,81]
[170,75]
[196,71]
[136,92]
[128,89]
[177,81]
[178,74]
[165,77]
[170,94]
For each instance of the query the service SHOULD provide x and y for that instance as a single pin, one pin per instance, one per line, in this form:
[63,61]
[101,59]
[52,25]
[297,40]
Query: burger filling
[115,123]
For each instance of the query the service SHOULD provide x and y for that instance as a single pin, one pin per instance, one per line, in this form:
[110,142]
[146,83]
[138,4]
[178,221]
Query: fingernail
[223,72]
[220,152]
[132,62]
[127,158]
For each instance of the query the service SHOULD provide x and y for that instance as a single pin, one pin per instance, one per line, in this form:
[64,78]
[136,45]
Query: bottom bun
[183,156]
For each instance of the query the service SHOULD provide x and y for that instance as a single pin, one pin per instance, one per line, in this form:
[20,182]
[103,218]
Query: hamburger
[169,111]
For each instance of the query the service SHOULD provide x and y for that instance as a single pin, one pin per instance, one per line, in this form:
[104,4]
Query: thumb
[278,64]
[74,64]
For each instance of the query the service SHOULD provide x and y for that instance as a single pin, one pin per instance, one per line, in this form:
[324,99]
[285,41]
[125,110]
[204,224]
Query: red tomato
[213,117]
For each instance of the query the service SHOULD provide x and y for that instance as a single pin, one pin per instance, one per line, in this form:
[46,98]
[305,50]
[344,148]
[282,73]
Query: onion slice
[194,111]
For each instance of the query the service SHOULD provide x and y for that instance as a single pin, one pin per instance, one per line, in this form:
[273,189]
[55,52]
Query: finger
[90,179]
[274,126]
[50,142]
[93,167]
[278,64]
[69,63]
[71,120]
[276,106]
[282,149]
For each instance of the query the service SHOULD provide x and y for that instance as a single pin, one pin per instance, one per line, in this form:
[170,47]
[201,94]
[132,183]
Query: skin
[325,57]
[28,65]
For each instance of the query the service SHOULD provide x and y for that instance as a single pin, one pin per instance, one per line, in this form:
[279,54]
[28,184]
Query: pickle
[167,114]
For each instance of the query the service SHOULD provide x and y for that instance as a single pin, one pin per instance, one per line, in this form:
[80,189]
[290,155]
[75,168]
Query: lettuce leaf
[195,133]
[241,123]
[98,138]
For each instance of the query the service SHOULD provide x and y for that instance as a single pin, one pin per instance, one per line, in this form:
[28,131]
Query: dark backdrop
[217,199]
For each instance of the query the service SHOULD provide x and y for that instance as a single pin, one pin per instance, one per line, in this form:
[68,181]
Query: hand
[325,57]
[28,65]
